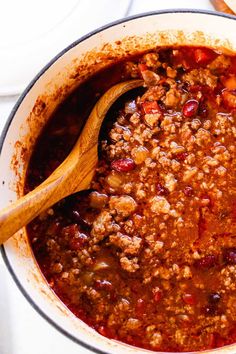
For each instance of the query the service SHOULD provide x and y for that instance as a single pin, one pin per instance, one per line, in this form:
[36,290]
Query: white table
[22,330]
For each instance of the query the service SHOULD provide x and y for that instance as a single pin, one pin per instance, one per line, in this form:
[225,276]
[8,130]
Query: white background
[22,330]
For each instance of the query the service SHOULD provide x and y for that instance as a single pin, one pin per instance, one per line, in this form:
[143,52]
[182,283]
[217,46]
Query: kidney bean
[189,299]
[76,217]
[161,190]
[103,285]
[202,110]
[214,298]
[207,262]
[157,294]
[181,156]
[140,307]
[211,310]
[229,255]
[190,108]
[123,165]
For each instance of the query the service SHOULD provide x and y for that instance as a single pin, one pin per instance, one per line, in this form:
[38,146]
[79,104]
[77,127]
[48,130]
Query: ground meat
[124,205]
[170,182]
[173,97]
[220,64]
[202,77]
[152,60]
[160,205]
[229,98]
[170,72]
[103,225]
[98,200]
[129,245]
[130,265]
[150,78]
[154,93]
[152,119]
[203,137]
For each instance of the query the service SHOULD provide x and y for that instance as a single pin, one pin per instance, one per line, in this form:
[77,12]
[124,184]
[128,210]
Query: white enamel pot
[71,67]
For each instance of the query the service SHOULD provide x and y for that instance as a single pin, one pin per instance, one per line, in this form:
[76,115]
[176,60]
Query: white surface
[37,30]
[139,6]
[22,330]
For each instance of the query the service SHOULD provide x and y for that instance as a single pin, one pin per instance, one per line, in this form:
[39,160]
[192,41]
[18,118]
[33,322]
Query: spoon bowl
[74,173]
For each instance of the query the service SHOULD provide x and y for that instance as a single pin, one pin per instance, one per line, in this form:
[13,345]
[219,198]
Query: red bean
[157,294]
[140,307]
[190,108]
[161,190]
[75,216]
[207,262]
[229,255]
[211,310]
[103,285]
[181,156]
[214,298]
[123,165]
[189,299]
[203,111]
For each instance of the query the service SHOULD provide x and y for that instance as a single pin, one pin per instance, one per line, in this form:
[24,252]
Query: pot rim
[11,117]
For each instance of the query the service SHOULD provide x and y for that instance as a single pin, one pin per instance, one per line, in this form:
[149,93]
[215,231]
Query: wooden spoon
[220,5]
[74,174]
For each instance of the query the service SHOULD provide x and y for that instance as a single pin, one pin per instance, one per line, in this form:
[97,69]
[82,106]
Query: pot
[33,109]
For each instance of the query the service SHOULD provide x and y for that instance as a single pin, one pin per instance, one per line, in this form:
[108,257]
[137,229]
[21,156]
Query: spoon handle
[57,186]
[73,175]
[220,5]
